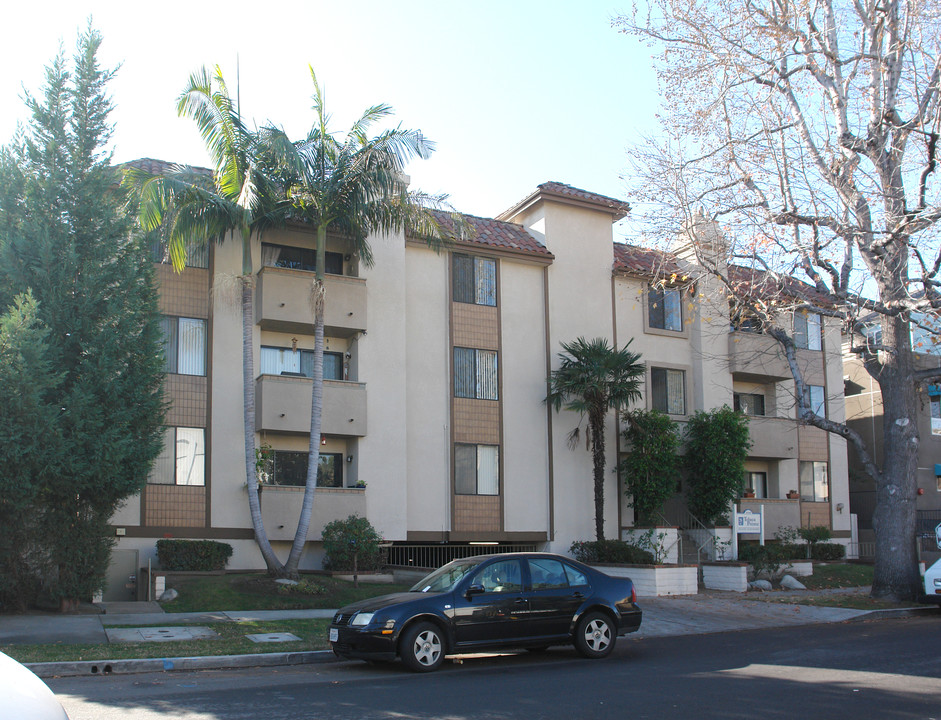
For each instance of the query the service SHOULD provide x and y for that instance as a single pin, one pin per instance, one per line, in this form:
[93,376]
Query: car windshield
[445,577]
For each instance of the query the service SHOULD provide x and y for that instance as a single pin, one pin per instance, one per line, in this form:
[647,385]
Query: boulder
[788,582]
[168,595]
[760,585]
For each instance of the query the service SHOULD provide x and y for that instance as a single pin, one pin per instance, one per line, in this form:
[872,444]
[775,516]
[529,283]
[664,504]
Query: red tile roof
[568,194]
[493,233]
[646,262]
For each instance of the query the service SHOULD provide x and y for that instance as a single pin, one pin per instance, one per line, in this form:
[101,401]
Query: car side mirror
[475,589]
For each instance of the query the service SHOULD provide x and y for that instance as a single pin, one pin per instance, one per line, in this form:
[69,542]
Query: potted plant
[749,493]
[793,495]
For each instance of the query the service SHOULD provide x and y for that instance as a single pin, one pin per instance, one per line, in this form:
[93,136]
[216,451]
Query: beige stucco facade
[394,420]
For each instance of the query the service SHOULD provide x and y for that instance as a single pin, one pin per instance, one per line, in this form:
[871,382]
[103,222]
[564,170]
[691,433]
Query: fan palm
[354,187]
[592,379]
[190,205]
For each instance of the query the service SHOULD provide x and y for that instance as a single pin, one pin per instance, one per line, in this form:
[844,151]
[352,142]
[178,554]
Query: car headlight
[361,618]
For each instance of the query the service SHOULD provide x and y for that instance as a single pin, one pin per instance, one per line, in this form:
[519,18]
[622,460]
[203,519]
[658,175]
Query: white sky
[514,93]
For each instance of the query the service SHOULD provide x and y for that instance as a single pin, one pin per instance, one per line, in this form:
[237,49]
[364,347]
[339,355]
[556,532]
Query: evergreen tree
[64,235]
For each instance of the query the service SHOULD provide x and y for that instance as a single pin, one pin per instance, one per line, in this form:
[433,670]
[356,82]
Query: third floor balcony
[283,302]
[282,404]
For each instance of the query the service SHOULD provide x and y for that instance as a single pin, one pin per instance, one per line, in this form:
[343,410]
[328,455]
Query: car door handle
[578,595]
[520,601]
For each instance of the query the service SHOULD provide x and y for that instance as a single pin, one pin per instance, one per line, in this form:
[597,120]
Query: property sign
[937,535]
[747,522]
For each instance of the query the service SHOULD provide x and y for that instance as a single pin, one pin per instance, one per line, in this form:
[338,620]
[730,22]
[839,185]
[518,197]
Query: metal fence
[434,556]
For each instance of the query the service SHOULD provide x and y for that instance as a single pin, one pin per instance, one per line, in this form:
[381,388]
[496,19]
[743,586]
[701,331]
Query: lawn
[838,575]
[257,591]
[231,640]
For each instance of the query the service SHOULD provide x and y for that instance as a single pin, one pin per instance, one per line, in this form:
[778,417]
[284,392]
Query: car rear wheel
[422,647]
[595,635]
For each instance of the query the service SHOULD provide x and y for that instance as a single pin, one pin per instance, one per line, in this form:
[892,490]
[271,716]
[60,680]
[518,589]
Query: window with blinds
[285,361]
[182,461]
[475,280]
[475,374]
[664,309]
[668,390]
[476,469]
[184,345]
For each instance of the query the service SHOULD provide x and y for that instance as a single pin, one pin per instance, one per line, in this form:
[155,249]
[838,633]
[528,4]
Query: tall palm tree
[188,205]
[594,378]
[353,186]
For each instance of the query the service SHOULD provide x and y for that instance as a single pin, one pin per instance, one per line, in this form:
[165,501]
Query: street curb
[890,613]
[149,665]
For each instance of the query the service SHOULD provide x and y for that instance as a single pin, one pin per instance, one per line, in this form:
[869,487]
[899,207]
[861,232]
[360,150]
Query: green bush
[200,555]
[610,551]
[816,534]
[827,551]
[717,444]
[651,467]
[350,541]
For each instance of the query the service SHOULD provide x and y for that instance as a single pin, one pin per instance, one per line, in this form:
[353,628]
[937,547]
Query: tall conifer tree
[66,238]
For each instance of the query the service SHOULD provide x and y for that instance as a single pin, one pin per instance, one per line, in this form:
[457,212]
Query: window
[815,483]
[749,403]
[757,481]
[815,398]
[500,576]
[183,458]
[476,469]
[296,258]
[935,401]
[184,345]
[475,374]
[807,331]
[197,256]
[664,309]
[284,361]
[668,390]
[475,280]
[290,468]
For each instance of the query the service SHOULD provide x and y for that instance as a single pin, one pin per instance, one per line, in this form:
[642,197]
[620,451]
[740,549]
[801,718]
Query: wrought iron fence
[434,556]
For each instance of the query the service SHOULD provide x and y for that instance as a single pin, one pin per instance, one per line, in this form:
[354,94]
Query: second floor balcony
[283,302]
[772,437]
[756,356]
[282,404]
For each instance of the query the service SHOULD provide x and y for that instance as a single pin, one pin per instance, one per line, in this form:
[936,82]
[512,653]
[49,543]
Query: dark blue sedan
[516,600]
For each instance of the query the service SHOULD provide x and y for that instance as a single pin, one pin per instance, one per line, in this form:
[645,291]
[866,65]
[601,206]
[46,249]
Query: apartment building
[864,414]
[435,366]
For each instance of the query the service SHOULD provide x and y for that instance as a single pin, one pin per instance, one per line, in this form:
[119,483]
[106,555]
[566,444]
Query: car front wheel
[422,647]
[594,635]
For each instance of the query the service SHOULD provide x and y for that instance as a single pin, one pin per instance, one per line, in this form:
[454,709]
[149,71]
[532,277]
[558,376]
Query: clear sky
[514,93]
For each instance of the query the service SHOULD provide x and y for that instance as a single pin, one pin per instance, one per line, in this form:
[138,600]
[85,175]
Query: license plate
[334,634]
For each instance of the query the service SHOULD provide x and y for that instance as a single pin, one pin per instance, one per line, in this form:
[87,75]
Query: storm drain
[273,637]
[159,634]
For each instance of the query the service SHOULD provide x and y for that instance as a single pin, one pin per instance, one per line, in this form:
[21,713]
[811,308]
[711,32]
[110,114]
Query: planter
[748,494]
[793,495]
[657,580]
[668,544]
[731,576]
[800,568]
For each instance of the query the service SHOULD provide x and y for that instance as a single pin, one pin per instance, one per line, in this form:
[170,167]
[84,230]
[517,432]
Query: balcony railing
[283,302]
[282,404]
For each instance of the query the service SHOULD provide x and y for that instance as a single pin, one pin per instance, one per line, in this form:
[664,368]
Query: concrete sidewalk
[706,612]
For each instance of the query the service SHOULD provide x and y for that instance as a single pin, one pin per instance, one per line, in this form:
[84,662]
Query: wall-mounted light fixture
[323,439]
[294,344]
[349,458]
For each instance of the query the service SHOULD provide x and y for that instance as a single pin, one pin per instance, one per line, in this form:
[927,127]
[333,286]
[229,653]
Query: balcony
[757,357]
[282,302]
[772,437]
[282,404]
[281,507]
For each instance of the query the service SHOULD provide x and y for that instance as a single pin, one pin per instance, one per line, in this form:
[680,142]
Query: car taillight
[633,594]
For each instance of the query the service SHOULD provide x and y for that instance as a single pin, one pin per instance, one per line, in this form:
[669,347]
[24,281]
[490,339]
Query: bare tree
[808,130]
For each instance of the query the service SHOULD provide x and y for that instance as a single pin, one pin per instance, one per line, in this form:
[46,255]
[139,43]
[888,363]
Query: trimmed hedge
[199,555]
[354,537]
[610,551]
[828,551]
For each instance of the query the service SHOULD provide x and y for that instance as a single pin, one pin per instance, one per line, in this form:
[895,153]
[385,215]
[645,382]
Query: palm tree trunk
[248,417]
[316,411]
[598,464]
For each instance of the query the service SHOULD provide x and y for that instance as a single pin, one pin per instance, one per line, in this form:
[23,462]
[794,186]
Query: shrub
[650,470]
[827,551]
[717,444]
[766,558]
[202,555]
[814,535]
[610,551]
[352,544]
